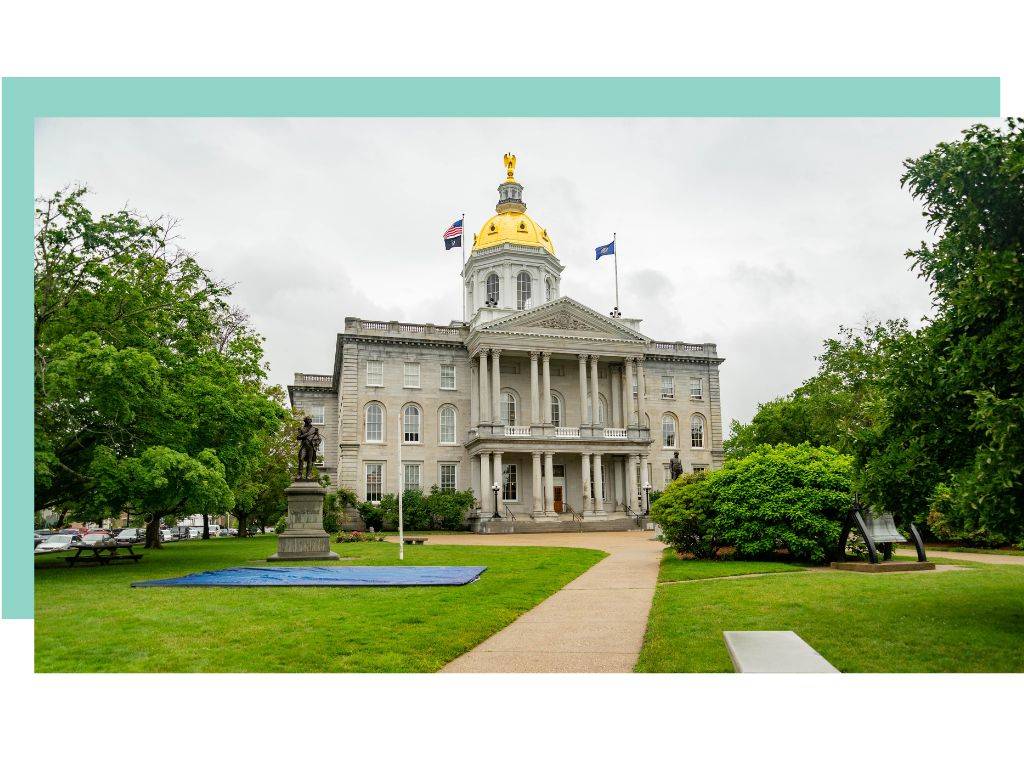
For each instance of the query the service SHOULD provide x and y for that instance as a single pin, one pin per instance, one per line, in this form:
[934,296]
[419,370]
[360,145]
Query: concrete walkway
[596,623]
[976,557]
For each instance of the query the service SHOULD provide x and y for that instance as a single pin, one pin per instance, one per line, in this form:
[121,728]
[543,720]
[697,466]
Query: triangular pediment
[564,317]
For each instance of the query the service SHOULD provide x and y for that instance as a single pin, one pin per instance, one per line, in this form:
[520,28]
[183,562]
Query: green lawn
[88,619]
[675,569]
[974,550]
[956,621]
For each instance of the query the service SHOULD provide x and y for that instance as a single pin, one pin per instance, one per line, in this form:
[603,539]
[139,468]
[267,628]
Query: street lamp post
[496,488]
[647,498]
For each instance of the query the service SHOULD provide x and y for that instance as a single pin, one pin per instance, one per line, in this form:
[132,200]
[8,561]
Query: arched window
[509,407]
[374,431]
[411,424]
[547,290]
[446,424]
[524,290]
[669,428]
[556,409]
[602,410]
[697,431]
[493,289]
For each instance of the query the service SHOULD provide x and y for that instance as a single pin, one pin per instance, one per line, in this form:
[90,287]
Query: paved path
[976,557]
[596,623]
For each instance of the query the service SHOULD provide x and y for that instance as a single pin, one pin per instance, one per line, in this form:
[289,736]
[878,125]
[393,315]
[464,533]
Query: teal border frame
[25,99]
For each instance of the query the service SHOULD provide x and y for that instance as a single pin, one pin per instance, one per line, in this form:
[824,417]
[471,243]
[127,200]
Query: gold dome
[513,227]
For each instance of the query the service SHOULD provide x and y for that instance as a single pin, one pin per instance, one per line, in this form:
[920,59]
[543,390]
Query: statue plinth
[305,537]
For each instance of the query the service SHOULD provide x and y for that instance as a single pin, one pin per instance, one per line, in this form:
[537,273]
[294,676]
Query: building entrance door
[558,498]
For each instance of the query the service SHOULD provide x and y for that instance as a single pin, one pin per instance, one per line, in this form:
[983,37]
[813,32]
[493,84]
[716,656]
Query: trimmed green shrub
[446,510]
[684,513]
[777,497]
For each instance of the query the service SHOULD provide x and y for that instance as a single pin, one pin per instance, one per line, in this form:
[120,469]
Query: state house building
[572,412]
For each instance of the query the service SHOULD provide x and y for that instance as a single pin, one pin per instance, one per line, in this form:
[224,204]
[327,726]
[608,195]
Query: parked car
[131,536]
[58,543]
[168,534]
[195,532]
[95,538]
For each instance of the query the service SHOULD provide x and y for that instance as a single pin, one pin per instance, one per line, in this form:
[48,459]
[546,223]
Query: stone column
[617,494]
[534,391]
[549,482]
[485,390]
[485,484]
[595,397]
[499,478]
[474,394]
[614,378]
[628,411]
[546,357]
[496,386]
[598,486]
[584,398]
[641,390]
[538,503]
[585,466]
[631,482]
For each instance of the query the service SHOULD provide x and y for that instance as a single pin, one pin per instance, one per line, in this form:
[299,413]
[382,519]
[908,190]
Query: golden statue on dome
[510,165]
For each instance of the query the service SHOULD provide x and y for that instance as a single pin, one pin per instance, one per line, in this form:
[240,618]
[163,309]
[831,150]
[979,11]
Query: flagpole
[463,267]
[615,253]
[401,482]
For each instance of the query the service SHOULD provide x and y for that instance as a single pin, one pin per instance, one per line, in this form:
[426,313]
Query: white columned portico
[534,391]
[546,359]
[549,482]
[598,486]
[485,483]
[496,386]
[474,394]
[485,390]
[538,502]
[629,412]
[584,398]
[631,482]
[585,474]
[595,398]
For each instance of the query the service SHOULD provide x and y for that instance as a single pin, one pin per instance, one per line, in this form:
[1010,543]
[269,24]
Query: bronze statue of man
[675,466]
[309,441]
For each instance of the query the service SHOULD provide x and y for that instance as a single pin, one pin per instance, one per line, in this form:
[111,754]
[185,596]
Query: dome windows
[524,290]
[493,290]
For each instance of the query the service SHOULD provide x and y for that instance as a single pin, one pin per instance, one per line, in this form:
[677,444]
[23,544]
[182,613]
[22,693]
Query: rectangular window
[698,468]
[411,477]
[696,388]
[448,476]
[316,412]
[510,477]
[374,482]
[411,379]
[375,373]
[668,387]
[447,375]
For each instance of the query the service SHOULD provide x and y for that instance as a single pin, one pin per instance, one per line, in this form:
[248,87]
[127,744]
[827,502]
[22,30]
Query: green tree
[137,348]
[950,427]
[834,406]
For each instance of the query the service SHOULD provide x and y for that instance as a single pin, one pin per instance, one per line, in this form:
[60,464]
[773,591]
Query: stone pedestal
[305,537]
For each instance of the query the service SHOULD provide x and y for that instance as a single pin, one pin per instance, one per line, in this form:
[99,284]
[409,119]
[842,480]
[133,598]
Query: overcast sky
[760,235]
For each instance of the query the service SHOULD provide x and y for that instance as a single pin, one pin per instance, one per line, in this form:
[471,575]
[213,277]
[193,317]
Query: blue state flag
[604,250]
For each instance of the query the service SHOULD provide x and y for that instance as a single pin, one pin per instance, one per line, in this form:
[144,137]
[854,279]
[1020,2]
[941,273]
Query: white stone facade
[578,440]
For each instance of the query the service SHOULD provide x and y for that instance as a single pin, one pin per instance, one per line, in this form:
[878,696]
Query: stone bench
[773,652]
[413,540]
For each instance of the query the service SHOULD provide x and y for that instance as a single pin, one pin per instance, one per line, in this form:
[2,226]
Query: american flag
[453,236]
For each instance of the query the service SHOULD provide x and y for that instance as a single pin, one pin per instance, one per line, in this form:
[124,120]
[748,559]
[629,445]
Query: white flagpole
[615,253]
[463,267]
[401,483]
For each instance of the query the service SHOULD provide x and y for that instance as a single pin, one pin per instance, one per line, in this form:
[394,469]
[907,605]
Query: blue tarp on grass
[328,576]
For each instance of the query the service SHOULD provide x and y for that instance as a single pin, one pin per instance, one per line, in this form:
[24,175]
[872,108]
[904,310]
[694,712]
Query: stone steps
[505,525]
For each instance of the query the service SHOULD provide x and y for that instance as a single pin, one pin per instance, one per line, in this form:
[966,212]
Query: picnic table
[103,554]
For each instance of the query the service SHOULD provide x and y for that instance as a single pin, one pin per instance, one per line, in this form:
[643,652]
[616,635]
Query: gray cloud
[761,235]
